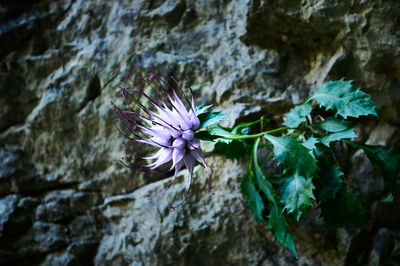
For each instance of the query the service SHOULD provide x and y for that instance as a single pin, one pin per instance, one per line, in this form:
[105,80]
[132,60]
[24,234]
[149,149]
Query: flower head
[158,113]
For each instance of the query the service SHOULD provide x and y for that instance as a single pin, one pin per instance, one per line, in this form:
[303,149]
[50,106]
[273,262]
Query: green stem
[237,137]
[261,120]
[314,131]
[276,130]
[308,100]
[250,164]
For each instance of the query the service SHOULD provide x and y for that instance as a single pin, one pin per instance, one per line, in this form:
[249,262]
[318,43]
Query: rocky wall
[64,201]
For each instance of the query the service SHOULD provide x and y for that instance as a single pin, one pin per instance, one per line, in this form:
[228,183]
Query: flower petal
[199,155]
[194,119]
[177,168]
[169,124]
[193,144]
[155,156]
[187,192]
[177,156]
[188,135]
[179,143]
[189,162]
[149,141]
[165,157]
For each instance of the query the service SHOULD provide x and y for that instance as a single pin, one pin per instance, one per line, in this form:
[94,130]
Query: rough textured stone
[65,202]
[7,207]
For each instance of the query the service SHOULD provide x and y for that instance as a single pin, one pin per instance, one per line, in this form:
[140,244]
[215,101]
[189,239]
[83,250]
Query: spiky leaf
[347,134]
[329,181]
[293,155]
[344,99]
[297,115]
[345,210]
[296,194]
[210,118]
[202,109]
[310,143]
[253,198]
[263,184]
[389,198]
[277,224]
[276,220]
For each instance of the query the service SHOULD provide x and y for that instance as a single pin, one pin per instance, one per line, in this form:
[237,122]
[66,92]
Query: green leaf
[202,109]
[385,159]
[297,115]
[310,143]
[333,125]
[277,224]
[253,198]
[389,198]
[224,133]
[345,210]
[232,149]
[276,221]
[210,118]
[296,194]
[329,181]
[263,184]
[347,134]
[293,155]
[344,99]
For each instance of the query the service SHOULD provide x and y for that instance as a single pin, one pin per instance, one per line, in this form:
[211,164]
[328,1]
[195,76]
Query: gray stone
[7,207]
[159,235]
[53,212]
[64,201]
[381,249]
[48,237]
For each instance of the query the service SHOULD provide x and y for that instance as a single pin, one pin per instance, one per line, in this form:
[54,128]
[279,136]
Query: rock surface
[65,202]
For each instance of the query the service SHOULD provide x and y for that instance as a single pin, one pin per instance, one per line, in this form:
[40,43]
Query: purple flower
[168,124]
